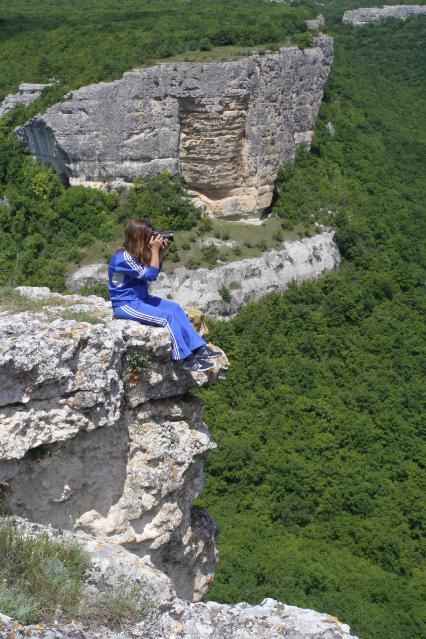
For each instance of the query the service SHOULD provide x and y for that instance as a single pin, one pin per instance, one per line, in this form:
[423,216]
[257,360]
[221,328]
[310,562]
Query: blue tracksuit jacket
[128,279]
[128,291]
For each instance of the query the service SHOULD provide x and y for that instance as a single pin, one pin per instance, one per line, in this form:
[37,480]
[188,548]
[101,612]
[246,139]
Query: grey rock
[4,201]
[226,127]
[330,129]
[367,15]
[217,242]
[26,94]
[247,280]
[90,274]
[316,23]
[89,443]
[250,279]
[110,564]
[34,292]
[177,619]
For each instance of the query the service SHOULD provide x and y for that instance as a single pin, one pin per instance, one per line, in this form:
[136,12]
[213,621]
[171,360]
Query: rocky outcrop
[239,282]
[26,94]
[98,433]
[315,23]
[99,437]
[226,127]
[163,615]
[359,17]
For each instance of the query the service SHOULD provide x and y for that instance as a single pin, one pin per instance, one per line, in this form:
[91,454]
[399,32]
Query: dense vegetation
[79,44]
[318,482]
[44,226]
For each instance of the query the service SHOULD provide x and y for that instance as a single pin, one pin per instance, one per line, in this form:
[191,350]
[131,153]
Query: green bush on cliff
[164,200]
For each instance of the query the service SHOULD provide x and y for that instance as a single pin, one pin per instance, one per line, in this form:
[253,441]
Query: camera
[167,235]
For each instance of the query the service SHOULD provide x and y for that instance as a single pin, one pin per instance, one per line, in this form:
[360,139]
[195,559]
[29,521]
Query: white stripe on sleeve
[134,265]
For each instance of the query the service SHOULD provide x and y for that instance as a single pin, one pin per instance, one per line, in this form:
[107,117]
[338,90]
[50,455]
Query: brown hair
[137,234]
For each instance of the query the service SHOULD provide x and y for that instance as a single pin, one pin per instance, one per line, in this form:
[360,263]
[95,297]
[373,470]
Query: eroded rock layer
[244,280]
[367,15]
[225,126]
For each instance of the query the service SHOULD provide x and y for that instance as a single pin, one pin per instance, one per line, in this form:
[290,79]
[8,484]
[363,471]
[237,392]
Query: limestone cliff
[121,441]
[25,95]
[226,127]
[100,436]
[367,15]
[245,280]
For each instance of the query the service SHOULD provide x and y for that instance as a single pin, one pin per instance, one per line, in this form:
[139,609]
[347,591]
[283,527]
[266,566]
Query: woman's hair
[137,234]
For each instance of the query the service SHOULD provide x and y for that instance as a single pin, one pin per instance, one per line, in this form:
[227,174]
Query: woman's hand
[156,243]
[166,244]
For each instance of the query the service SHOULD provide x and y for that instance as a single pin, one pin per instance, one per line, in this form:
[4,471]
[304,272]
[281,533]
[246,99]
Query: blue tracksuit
[128,291]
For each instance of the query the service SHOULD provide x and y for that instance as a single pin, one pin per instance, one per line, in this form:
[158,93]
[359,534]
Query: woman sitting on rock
[130,269]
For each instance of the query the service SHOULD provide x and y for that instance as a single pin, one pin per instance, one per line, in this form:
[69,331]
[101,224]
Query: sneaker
[196,364]
[206,351]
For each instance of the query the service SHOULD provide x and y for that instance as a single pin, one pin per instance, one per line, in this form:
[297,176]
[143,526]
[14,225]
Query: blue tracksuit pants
[156,311]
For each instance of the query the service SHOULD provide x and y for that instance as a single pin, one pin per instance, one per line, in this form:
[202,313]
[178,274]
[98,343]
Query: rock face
[316,23]
[99,436]
[98,433]
[226,127]
[245,280]
[359,17]
[164,615]
[26,94]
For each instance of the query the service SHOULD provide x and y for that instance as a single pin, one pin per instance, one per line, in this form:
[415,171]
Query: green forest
[318,483]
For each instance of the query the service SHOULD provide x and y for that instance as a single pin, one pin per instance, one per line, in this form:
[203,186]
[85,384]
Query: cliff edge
[102,441]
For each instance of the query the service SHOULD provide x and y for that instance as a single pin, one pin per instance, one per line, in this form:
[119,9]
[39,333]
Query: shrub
[304,40]
[193,263]
[114,606]
[95,288]
[40,579]
[225,294]
[138,362]
[163,199]
[205,225]
[210,254]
